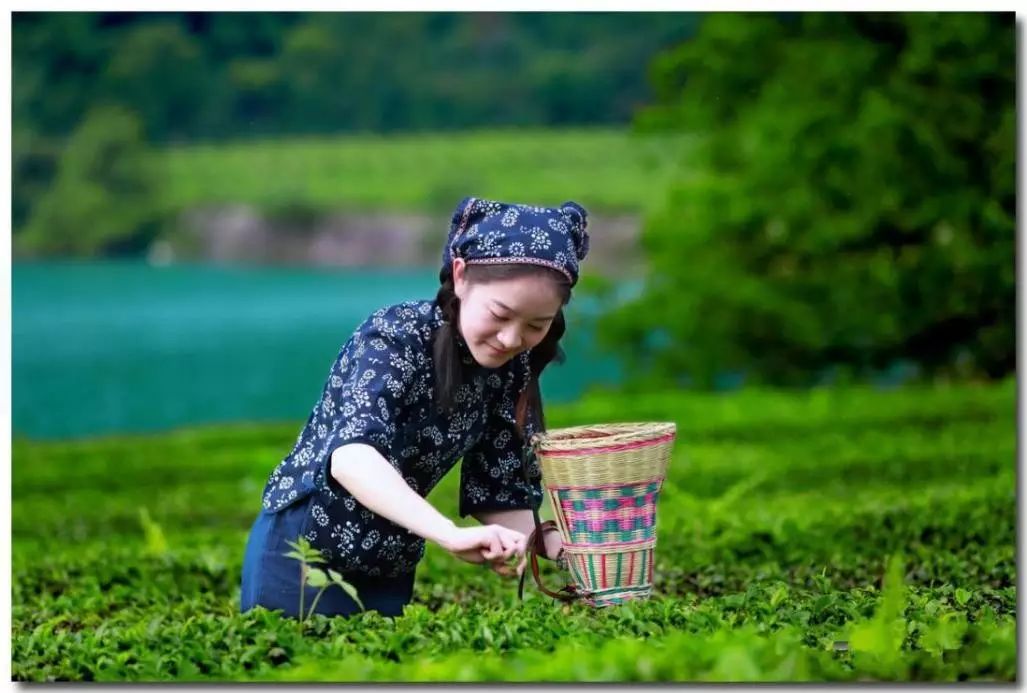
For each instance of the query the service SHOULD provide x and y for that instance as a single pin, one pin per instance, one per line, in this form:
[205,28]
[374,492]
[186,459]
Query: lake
[105,347]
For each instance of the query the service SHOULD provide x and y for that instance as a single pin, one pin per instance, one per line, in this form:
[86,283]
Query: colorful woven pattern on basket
[610,515]
[618,595]
[611,577]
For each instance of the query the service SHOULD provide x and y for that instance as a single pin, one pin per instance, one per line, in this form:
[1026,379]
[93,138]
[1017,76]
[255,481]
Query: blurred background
[205,205]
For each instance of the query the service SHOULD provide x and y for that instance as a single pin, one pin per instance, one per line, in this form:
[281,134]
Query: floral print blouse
[381,392]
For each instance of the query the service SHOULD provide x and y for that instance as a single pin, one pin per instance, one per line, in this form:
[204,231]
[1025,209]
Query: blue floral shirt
[381,392]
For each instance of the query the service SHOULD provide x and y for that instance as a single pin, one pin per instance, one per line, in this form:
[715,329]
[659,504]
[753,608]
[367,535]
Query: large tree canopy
[852,207]
[194,75]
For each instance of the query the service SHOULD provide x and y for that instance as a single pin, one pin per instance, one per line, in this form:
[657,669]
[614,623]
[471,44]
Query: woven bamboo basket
[604,482]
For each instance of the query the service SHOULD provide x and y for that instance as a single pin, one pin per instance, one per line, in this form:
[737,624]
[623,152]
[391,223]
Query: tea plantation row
[827,535]
[620,170]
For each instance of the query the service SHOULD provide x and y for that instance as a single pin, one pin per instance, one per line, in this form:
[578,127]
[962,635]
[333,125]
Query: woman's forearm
[523,521]
[376,485]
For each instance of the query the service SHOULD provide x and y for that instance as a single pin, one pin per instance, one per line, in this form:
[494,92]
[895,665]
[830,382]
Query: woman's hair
[448,367]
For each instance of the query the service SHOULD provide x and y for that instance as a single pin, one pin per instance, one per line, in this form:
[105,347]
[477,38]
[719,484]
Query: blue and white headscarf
[490,232]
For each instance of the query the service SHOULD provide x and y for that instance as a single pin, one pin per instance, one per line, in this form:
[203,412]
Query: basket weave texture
[604,483]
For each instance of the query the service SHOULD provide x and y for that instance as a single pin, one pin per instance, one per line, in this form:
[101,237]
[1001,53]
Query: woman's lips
[499,352]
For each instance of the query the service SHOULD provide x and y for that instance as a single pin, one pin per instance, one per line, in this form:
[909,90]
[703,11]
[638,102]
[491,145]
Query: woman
[418,386]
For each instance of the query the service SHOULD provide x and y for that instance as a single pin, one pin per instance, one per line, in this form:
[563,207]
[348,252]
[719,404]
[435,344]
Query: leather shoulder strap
[536,546]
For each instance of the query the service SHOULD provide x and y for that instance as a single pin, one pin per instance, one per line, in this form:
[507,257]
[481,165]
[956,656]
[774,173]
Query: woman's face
[500,319]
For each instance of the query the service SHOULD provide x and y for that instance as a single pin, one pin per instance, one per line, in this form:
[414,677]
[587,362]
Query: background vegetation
[623,172]
[210,77]
[850,204]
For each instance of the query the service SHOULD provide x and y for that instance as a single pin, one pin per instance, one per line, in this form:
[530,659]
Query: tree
[103,199]
[158,70]
[852,206]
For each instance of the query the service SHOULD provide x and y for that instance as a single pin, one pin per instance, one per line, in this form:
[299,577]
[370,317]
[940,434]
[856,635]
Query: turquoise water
[119,347]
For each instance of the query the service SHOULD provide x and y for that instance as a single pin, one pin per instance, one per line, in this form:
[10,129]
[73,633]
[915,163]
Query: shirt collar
[465,352]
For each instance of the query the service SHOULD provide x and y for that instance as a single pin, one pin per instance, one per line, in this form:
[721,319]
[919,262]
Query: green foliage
[850,205]
[158,70]
[611,170]
[156,544]
[777,529]
[294,182]
[104,196]
[882,636]
[315,577]
[216,75]
[33,167]
[206,77]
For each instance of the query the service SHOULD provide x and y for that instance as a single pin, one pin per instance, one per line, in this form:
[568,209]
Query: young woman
[417,387]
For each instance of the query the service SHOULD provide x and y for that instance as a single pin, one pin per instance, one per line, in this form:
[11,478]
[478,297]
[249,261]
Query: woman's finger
[495,548]
[514,543]
[508,548]
[503,545]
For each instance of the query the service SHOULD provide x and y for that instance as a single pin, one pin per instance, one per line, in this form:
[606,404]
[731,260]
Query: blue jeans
[271,580]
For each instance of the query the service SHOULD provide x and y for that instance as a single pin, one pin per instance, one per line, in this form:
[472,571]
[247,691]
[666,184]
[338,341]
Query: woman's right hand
[485,543]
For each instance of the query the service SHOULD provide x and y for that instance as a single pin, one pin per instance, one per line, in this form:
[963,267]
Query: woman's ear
[459,278]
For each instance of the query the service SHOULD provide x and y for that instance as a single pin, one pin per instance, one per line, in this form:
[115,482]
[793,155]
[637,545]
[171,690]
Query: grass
[838,535]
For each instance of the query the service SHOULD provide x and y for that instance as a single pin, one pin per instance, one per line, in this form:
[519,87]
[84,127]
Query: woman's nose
[510,339]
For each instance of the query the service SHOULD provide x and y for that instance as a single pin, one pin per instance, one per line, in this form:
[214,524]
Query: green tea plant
[156,544]
[826,535]
[615,169]
[315,577]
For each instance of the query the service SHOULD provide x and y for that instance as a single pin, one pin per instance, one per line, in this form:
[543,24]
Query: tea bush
[839,535]
[614,169]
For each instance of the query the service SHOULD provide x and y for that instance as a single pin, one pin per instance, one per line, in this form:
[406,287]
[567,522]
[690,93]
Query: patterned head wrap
[490,232]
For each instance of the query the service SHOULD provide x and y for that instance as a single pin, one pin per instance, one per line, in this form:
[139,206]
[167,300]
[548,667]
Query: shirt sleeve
[374,388]
[492,475]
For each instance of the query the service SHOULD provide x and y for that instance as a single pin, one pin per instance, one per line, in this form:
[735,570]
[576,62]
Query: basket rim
[604,434]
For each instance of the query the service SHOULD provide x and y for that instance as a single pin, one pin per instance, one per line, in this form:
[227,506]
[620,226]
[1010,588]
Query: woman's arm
[376,484]
[524,522]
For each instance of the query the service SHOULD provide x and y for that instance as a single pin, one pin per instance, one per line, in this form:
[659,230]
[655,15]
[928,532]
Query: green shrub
[849,207]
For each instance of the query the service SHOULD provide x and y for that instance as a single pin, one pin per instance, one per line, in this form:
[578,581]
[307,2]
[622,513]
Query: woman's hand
[499,565]
[492,543]
[553,542]
[504,568]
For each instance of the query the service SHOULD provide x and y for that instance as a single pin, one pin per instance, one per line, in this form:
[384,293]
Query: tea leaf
[316,577]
